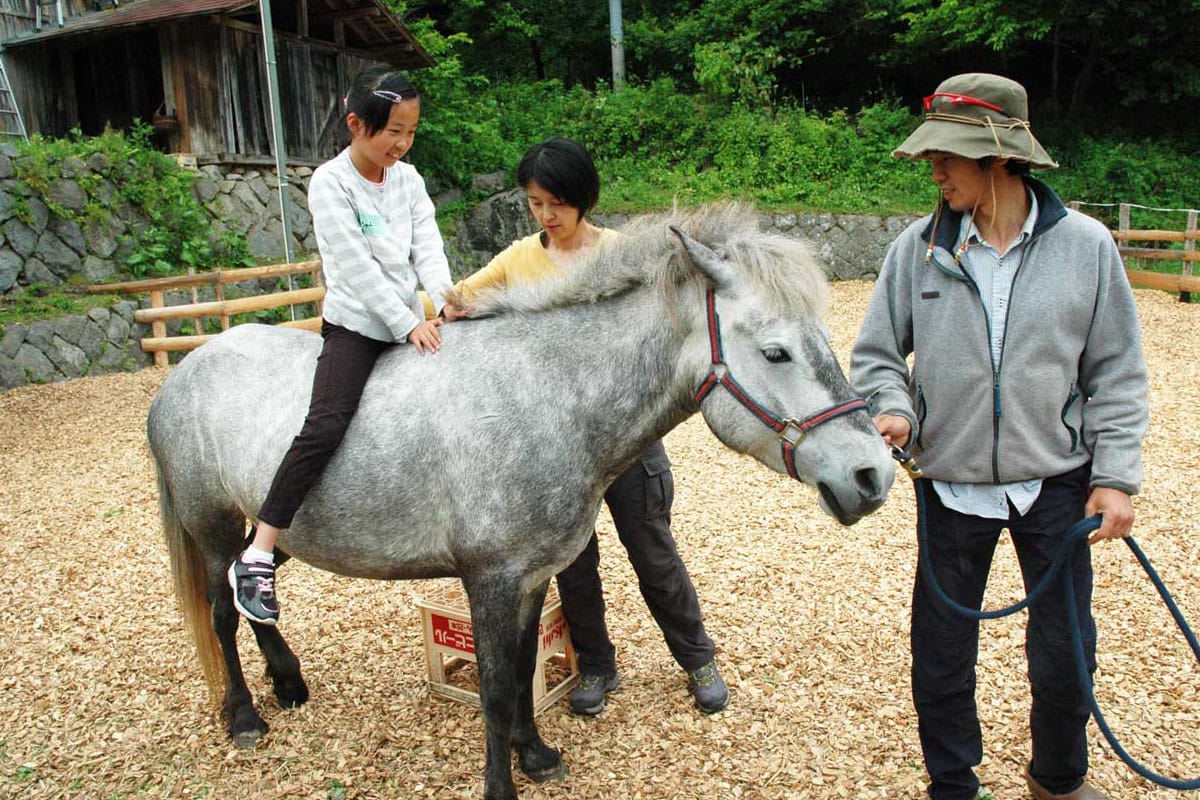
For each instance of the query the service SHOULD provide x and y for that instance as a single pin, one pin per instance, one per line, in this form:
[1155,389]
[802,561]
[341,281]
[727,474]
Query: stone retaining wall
[103,340]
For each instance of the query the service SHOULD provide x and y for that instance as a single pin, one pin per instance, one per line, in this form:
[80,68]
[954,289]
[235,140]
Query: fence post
[197,323]
[159,328]
[1189,245]
[219,293]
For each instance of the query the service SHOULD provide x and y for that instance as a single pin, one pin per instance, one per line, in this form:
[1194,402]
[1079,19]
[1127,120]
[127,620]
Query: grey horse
[488,460]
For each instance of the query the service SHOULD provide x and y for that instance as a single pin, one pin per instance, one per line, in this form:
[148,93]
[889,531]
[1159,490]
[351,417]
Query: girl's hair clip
[394,97]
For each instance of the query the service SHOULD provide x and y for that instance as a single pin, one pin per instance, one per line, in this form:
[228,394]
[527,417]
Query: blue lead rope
[1063,558]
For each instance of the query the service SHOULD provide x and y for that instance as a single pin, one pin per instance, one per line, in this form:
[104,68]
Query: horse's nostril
[868,482]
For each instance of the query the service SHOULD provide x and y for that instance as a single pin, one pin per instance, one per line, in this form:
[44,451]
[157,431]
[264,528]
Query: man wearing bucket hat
[1025,405]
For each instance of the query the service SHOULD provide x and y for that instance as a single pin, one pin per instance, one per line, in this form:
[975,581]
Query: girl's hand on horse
[895,430]
[426,337]
[453,313]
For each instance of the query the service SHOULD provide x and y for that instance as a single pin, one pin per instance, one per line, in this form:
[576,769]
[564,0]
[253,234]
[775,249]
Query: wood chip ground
[101,697]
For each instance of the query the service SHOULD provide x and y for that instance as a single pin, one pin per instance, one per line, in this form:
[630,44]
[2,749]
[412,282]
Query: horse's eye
[776,355]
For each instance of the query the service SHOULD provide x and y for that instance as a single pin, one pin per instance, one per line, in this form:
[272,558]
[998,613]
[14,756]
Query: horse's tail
[190,575]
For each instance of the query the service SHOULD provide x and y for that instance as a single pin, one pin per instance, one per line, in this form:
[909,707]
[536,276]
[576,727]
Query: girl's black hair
[372,94]
[564,168]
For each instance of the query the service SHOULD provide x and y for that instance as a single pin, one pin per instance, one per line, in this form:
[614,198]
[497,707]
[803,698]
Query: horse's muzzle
[870,491]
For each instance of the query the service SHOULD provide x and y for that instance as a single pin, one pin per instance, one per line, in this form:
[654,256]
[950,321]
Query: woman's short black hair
[564,168]
[373,92]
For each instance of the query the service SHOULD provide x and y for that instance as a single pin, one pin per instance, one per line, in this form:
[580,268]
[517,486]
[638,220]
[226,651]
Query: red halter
[791,432]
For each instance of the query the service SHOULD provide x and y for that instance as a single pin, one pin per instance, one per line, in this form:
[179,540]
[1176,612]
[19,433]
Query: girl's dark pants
[343,367]
[640,503]
[945,646]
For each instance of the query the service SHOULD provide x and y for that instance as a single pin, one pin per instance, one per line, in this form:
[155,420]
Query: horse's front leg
[496,620]
[283,667]
[540,762]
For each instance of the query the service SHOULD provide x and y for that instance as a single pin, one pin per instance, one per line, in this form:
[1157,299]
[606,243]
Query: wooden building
[195,69]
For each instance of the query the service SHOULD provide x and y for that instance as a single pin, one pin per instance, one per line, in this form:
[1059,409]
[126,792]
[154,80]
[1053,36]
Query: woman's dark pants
[343,367]
[640,503]
[945,646]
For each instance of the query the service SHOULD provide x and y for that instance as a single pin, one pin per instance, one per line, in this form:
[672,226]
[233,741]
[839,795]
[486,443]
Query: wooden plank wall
[20,16]
[16,16]
[213,78]
[247,119]
[43,84]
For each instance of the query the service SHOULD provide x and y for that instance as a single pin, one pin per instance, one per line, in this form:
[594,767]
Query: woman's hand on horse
[453,313]
[894,429]
[426,336]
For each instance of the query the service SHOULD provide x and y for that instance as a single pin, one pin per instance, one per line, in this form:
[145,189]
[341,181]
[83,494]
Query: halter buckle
[792,432]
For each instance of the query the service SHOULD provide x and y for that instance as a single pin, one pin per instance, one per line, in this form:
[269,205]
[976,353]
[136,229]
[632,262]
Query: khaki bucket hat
[977,115]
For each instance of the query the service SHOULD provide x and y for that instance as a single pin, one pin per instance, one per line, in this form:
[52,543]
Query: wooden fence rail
[160,343]
[1131,244]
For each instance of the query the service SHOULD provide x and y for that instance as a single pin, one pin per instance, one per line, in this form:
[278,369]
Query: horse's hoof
[291,693]
[243,724]
[553,772]
[246,740]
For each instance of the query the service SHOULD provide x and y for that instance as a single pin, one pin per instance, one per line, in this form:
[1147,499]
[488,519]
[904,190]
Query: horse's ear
[718,269]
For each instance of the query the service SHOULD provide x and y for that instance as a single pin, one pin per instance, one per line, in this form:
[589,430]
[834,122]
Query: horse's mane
[647,253]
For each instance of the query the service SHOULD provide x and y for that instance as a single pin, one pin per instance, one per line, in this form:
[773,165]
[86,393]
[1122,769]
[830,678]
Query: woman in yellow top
[562,185]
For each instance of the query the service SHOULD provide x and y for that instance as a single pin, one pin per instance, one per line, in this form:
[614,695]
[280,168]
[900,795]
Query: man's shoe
[253,586]
[708,687]
[588,697]
[1084,792]
[982,794]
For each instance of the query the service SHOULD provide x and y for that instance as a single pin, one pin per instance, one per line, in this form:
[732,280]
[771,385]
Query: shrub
[178,232]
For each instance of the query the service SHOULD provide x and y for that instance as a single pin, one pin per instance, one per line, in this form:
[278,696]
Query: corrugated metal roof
[129,14]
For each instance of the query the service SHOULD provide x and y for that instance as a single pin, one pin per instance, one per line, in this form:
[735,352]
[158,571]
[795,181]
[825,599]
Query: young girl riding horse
[377,237]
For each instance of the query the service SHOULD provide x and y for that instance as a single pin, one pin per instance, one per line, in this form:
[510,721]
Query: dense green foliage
[722,97]
[655,146]
[123,170]
[1099,60]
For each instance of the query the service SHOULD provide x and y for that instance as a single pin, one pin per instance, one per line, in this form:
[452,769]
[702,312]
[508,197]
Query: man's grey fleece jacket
[1071,381]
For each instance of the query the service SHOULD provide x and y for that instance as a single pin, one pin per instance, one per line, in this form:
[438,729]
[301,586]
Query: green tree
[1089,57]
[521,40]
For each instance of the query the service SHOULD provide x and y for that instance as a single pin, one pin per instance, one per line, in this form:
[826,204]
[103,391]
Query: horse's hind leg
[243,723]
[283,667]
[538,761]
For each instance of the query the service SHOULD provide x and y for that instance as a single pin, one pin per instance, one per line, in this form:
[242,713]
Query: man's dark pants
[640,503]
[945,646]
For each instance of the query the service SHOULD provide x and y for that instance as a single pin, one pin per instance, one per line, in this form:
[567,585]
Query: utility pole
[277,137]
[617,36]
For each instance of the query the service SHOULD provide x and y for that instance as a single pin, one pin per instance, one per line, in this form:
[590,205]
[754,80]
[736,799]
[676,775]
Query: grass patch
[41,301]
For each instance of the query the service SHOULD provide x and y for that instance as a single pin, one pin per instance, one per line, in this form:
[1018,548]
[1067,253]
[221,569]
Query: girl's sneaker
[253,586]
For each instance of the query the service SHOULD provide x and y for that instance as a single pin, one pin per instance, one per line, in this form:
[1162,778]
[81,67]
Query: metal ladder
[11,123]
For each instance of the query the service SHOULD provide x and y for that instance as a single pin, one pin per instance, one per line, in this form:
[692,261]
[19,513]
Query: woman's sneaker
[253,585]
[588,697]
[708,687]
